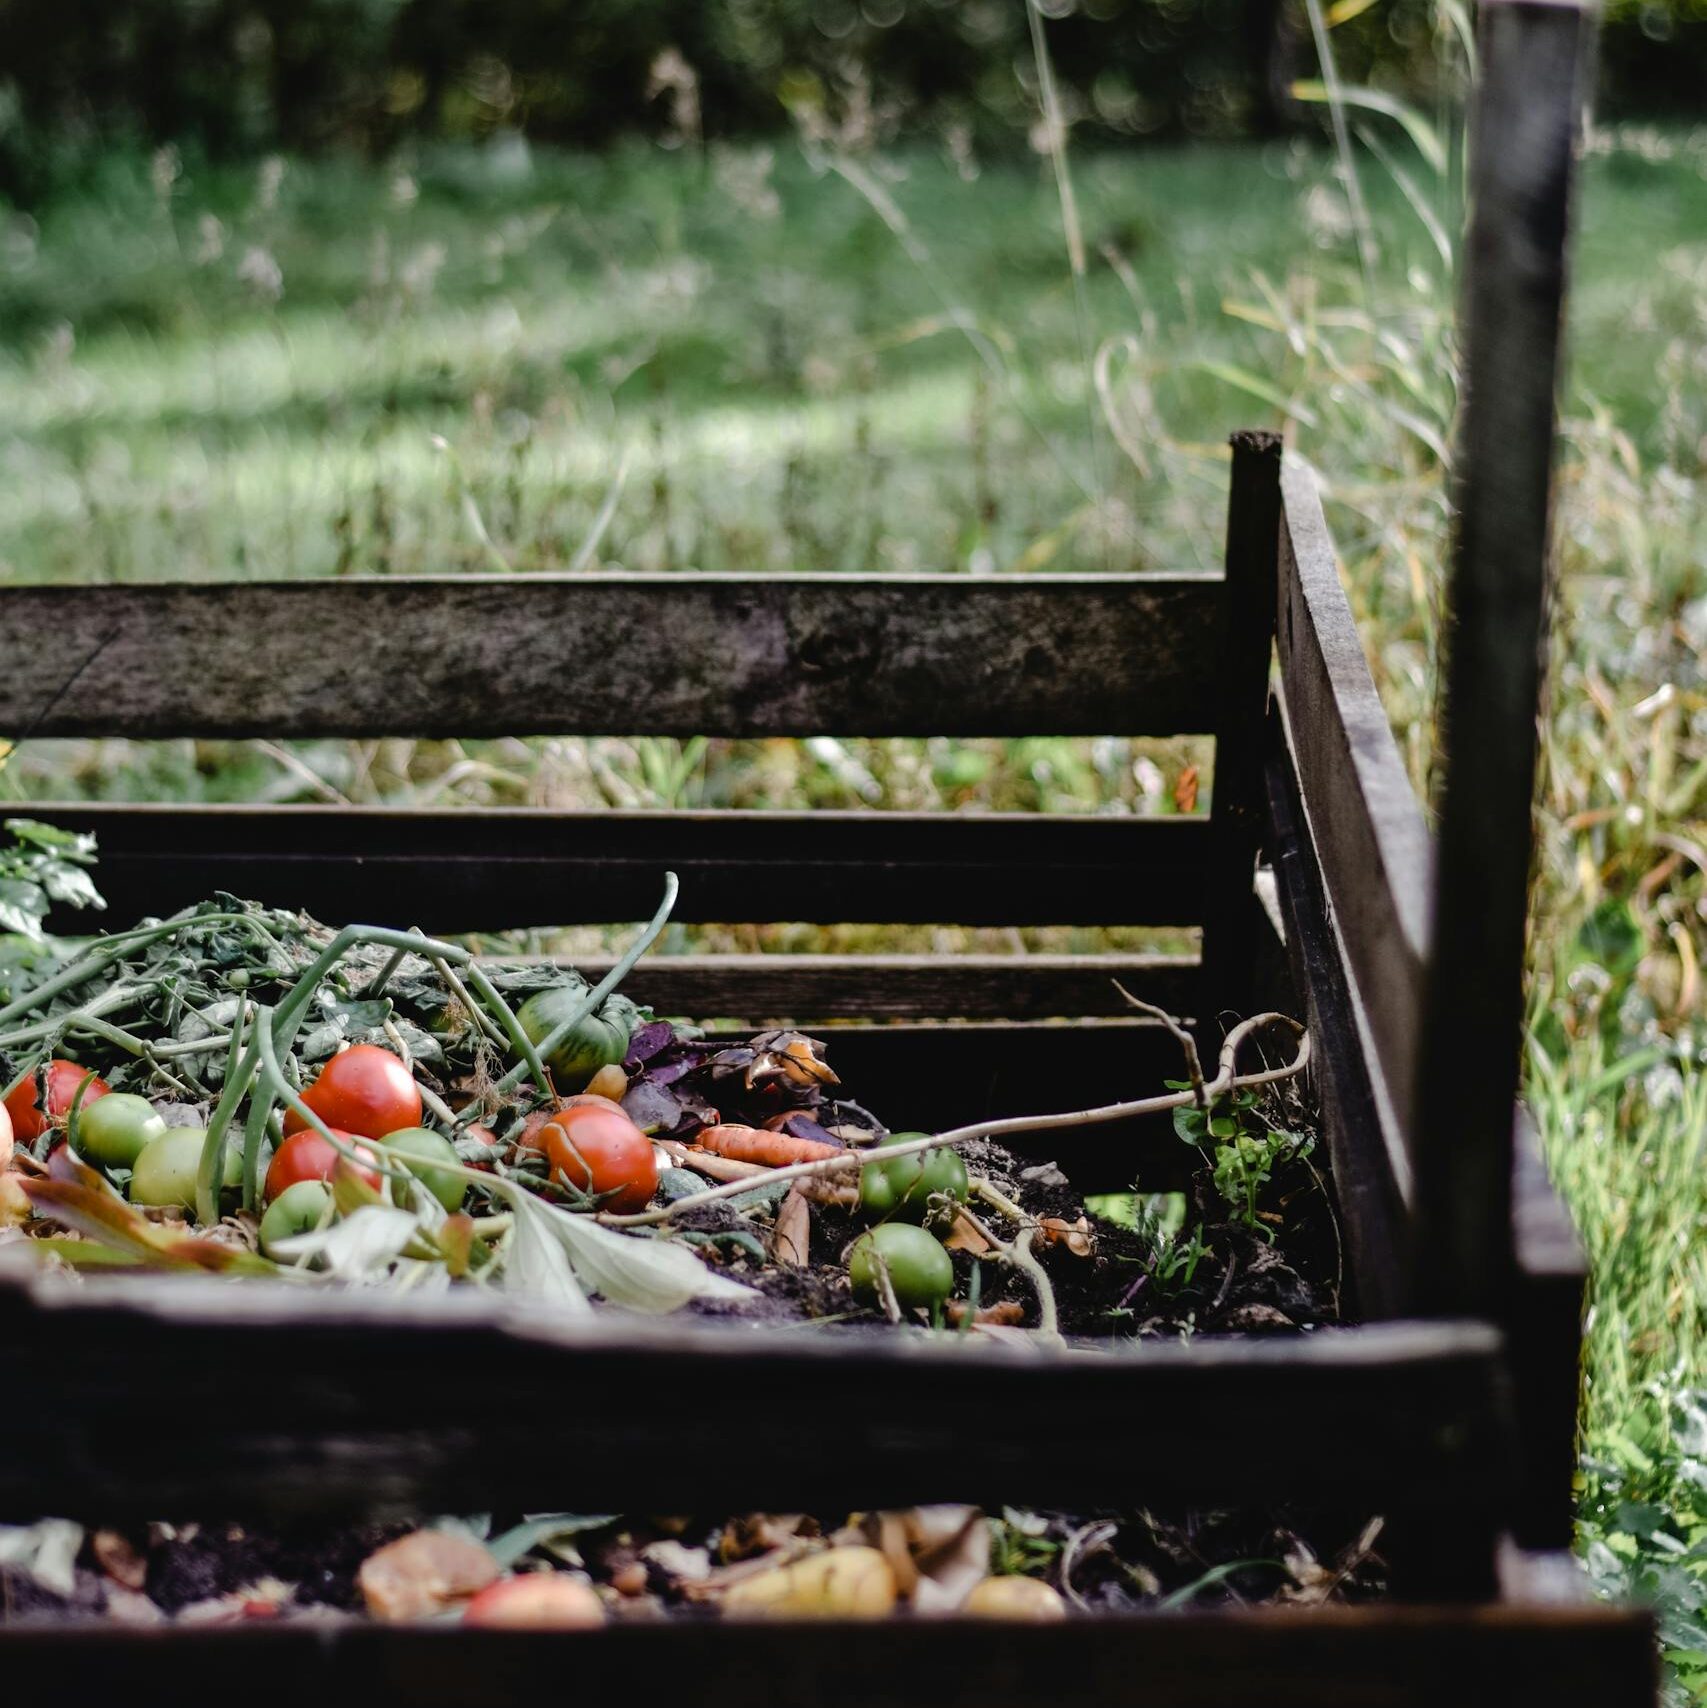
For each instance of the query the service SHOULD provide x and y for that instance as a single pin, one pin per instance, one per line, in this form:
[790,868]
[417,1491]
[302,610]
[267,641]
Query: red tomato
[599,1150]
[63,1078]
[529,1137]
[307,1156]
[363,1090]
[484,1136]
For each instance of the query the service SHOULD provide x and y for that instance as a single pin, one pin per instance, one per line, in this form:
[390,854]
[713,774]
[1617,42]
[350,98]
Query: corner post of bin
[1238,804]
[1523,139]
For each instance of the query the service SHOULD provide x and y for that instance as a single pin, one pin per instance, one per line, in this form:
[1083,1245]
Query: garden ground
[831,357]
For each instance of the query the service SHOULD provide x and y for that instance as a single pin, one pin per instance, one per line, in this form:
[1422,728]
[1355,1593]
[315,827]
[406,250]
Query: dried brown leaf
[791,1238]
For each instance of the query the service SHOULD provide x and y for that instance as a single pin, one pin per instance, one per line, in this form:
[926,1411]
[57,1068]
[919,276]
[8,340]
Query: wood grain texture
[497,869]
[1379,1418]
[1364,819]
[1338,1657]
[1365,1148]
[1525,123]
[679,654]
[803,988]
[1242,667]
[1545,1346]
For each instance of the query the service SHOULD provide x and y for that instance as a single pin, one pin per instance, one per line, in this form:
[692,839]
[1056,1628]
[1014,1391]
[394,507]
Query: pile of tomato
[370,1104]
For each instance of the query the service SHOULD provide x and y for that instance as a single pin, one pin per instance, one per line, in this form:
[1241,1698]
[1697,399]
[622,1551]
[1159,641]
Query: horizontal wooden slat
[496,869]
[1364,819]
[1594,1656]
[905,987]
[681,654]
[928,1077]
[1376,1418]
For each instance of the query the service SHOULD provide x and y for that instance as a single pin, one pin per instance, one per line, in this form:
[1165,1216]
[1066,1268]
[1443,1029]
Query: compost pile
[566,1570]
[243,1091]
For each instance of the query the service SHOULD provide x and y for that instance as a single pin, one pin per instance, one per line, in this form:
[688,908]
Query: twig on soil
[1225,1080]
[1020,1254]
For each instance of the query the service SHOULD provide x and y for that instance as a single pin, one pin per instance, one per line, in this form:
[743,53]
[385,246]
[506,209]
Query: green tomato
[902,1187]
[423,1142]
[165,1169]
[920,1271]
[117,1135]
[596,1041]
[299,1209]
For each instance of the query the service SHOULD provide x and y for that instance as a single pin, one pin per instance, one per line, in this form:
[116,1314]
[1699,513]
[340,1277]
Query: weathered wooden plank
[495,869]
[1364,819]
[1545,1346]
[1524,134]
[1380,1417]
[1336,1657]
[1241,666]
[805,988]
[927,1077]
[681,654]
[1365,1148]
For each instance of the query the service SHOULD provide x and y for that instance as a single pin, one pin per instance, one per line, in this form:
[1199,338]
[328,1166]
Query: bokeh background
[337,287]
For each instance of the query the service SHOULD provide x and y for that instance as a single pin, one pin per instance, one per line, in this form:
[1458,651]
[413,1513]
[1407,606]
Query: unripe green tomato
[919,1269]
[298,1209]
[423,1142]
[165,1170]
[114,1129]
[902,1188]
[598,1040]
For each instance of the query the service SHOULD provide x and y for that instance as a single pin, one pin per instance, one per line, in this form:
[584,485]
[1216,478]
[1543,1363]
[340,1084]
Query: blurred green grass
[756,360]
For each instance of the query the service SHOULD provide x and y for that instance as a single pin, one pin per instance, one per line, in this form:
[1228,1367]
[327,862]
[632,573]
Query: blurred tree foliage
[234,76]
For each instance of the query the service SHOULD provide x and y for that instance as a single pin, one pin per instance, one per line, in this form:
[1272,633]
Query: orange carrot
[755,1144]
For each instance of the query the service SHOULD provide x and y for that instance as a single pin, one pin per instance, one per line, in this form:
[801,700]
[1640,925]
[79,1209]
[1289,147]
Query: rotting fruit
[165,1169]
[599,1151]
[841,1583]
[115,1129]
[363,1090]
[307,1156]
[595,1041]
[540,1601]
[902,1187]
[29,1120]
[299,1209]
[1025,1600]
[920,1271]
[421,1145]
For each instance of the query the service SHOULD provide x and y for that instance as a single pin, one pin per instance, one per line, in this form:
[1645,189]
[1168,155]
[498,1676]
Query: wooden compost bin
[1449,1408]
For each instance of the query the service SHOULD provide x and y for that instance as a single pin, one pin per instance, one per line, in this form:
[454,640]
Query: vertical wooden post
[1242,670]
[1523,141]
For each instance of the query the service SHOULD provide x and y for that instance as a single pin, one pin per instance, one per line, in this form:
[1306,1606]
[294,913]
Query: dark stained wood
[1524,134]
[1364,820]
[1241,665]
[1364,1145]
[1544,1338]
[496,869]
[501,868]
[676,654]
[1340,1657]
[927,1077]
[804,988]
[391,1405]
